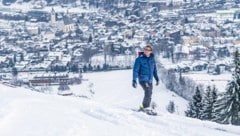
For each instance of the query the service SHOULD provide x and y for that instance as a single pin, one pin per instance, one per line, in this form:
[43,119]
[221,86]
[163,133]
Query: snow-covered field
[28,113]
[202,77]
[220,81]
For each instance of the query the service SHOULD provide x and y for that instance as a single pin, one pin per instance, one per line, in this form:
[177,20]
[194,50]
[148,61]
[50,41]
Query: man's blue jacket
[145,68]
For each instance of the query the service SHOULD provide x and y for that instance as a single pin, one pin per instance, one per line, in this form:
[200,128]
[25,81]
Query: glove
[134,84]
[157,83]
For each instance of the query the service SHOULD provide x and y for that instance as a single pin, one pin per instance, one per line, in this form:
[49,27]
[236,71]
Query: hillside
[28,113]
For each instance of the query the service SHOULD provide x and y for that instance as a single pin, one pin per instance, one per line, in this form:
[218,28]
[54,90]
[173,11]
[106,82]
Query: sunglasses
[148,49]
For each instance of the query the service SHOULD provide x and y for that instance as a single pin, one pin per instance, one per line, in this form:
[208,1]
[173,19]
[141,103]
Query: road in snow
[27,113]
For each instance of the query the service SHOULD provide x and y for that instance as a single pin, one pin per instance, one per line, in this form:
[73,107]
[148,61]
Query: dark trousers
[147,87]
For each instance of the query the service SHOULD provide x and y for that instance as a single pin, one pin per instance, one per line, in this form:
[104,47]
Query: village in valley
[48,45]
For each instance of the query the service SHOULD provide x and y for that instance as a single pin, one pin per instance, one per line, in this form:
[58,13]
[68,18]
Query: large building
[54,79]
[231,15]
[66,24]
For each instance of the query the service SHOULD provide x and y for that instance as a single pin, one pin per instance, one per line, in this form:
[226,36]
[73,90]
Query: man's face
[147,51]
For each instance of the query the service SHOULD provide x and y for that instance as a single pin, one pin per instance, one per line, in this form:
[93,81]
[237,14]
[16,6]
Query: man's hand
[157,83]
[134,84]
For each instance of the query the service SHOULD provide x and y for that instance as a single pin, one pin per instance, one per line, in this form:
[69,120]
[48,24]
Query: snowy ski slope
[27,113]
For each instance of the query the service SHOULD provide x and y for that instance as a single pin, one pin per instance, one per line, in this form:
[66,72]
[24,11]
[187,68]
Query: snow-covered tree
[214,94]
[209,100]
[171,107]
[190,112]
[228,107]
[215,97]
[196,105]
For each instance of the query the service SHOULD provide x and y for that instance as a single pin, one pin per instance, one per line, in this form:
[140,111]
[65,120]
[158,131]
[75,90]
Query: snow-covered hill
[27,113]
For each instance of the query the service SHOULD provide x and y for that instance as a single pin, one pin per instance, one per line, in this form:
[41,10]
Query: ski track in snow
[27,113]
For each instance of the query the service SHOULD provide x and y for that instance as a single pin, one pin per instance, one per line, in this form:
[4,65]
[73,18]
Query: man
[145,69]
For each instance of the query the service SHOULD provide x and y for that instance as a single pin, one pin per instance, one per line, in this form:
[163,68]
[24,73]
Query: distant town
[54,42]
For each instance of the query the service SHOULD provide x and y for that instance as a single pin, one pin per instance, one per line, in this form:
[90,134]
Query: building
[53,18]
[48,80]
[55,79]
[33,30]
[69,25]
[232,15]
[66,24]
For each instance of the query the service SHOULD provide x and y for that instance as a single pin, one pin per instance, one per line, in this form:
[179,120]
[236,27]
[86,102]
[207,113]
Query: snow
[202,77]
[27,113]
[220,81]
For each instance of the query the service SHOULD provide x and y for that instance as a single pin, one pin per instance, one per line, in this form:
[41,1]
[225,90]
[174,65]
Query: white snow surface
[108,113]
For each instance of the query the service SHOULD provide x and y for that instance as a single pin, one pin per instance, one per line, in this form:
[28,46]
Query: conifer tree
[171,107]
[209,101]
[228,107]
[195,107]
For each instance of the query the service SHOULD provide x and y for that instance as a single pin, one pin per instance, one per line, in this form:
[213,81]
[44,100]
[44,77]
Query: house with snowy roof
[181,52]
